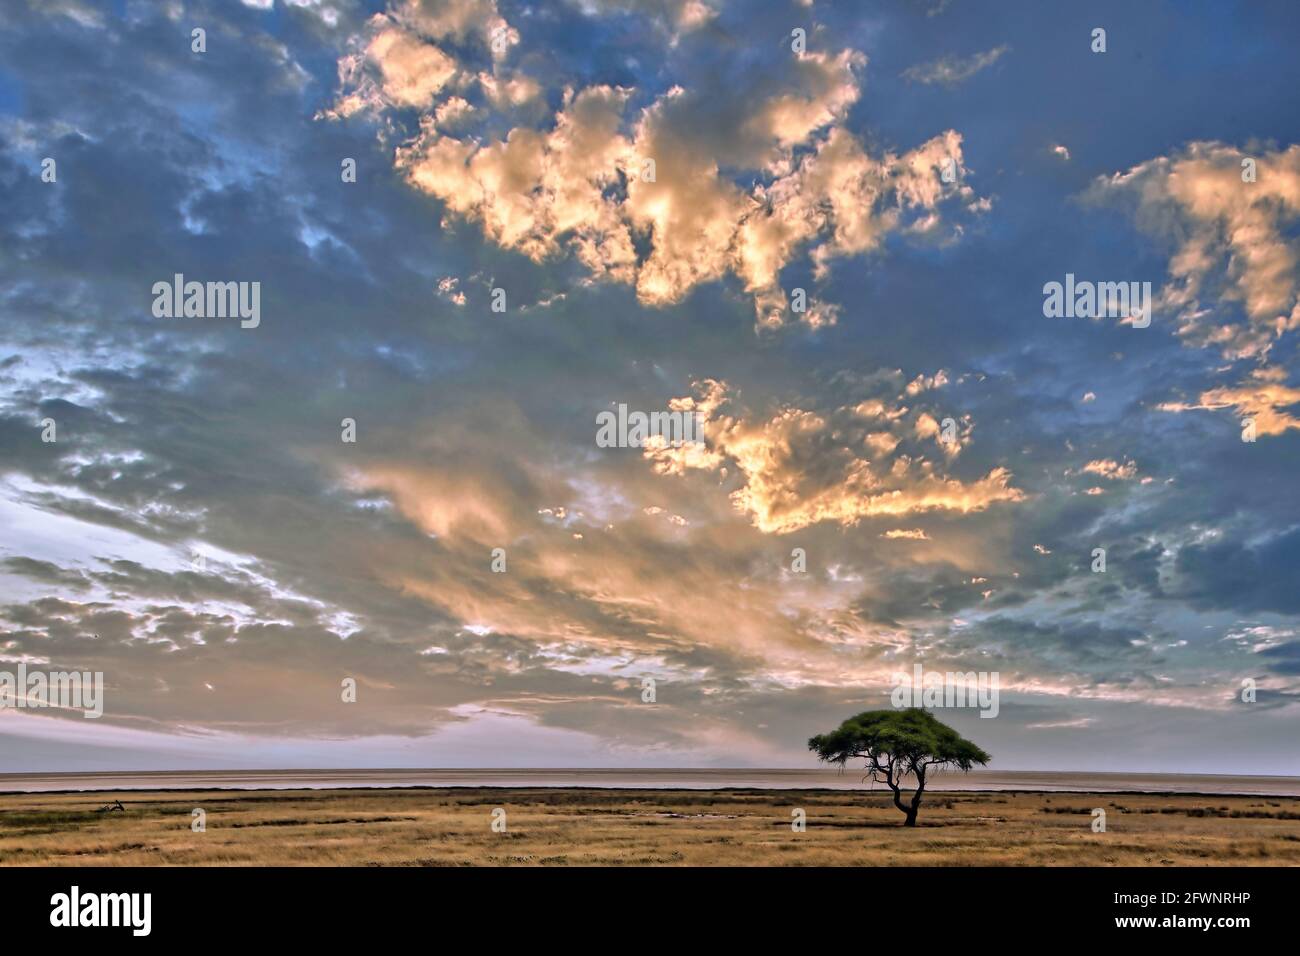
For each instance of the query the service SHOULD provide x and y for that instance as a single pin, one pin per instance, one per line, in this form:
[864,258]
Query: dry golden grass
[562,827]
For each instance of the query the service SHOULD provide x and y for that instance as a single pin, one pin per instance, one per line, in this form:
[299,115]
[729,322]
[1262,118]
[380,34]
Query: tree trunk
[916,800]
[909,809]
[898,802]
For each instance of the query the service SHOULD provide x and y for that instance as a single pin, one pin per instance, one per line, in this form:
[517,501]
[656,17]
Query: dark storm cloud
[1242,575]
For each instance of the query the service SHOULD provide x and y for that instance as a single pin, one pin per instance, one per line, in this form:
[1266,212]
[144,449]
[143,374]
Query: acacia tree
[897,744]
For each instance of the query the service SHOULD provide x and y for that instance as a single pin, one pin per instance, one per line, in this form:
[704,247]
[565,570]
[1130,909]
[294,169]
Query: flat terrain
[575,827]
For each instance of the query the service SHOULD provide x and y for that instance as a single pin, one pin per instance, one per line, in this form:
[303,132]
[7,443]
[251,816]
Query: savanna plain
[637,827]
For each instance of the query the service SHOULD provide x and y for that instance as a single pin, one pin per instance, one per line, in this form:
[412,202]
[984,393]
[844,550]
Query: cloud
[1264,397]
[534,191]
[454,19]
[1234,241]
[1230,216]
[46,572]
[800,467]
[656,199]
[372,559]
[412,71]
[843,202]
[1284,658]
[397,62]
[1109,468]
[1251,576]
[952,71]
[673,16]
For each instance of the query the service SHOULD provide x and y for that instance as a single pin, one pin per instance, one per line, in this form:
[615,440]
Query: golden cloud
[1234,239]
[596,179]
[1265,398]
[800,467]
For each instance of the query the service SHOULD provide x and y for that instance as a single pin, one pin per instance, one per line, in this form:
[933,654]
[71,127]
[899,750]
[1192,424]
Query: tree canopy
[897,744]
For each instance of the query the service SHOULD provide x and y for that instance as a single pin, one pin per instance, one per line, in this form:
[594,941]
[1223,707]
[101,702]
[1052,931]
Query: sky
[824,229]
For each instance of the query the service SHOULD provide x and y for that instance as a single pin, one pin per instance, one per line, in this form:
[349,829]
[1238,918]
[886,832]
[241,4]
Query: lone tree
[897,744]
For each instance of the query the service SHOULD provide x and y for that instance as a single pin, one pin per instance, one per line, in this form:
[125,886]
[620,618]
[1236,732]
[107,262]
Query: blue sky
[504,146]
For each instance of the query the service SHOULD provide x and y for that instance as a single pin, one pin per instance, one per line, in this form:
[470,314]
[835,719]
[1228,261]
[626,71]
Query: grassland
[576,827]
